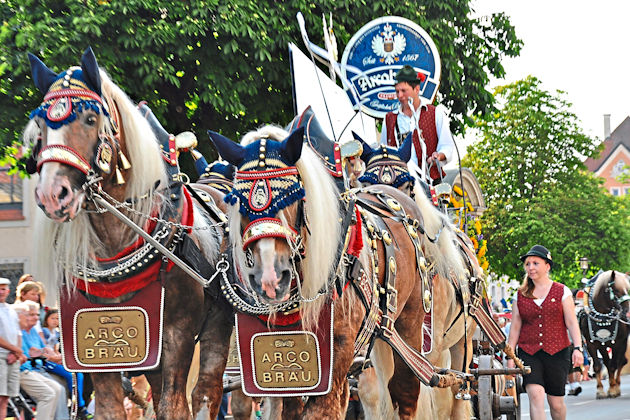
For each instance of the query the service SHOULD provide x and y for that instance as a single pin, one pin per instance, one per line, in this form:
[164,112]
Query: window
[618,169]
[615,191]
[12,271]
[10,196]
[626,190]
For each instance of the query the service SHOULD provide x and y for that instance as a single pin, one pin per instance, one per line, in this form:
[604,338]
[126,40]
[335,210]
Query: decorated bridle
[67,94]
[616,311]
[264,185]
[386,165]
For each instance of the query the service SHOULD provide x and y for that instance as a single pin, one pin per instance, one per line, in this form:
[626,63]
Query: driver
[430,121]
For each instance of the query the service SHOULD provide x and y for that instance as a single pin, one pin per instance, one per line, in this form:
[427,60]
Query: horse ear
[43,77]
[367,149]
[405,149]
[292,146]
[90,70]
[229,150]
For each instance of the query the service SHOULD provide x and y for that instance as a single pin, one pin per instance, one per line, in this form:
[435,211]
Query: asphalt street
[586,407]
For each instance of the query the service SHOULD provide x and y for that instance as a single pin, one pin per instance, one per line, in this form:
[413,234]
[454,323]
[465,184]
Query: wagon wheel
[485,393]
[518,385]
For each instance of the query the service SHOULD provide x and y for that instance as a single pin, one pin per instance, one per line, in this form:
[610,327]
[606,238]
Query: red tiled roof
[621,135]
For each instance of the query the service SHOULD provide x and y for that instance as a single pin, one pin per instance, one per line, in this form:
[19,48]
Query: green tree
[529,164]
[224,65]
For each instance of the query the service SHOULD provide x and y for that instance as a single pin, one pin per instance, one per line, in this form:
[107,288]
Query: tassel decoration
[119,177]
[123,160]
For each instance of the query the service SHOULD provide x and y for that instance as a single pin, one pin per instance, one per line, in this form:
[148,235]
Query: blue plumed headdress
[385,164]
[74,90]
[267,180]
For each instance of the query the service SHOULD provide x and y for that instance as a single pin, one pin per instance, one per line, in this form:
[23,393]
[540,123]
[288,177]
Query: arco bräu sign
[378,51]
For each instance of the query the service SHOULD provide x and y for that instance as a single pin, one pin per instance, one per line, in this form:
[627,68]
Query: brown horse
[81,137]
[453,327]
[293,248]
[605,324]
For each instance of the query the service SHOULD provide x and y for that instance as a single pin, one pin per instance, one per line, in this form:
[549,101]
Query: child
[50,328]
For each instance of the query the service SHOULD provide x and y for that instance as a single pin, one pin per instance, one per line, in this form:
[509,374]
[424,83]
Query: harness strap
[484,319]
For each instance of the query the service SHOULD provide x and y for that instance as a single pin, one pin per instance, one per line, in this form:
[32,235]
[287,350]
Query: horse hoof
[601,395]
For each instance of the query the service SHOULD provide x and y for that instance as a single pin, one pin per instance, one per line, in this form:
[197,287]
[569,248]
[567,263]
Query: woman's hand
[577,357]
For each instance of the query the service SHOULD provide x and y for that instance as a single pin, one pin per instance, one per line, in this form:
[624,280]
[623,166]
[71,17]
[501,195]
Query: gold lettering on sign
[111,336]
[286,360]
[232,361]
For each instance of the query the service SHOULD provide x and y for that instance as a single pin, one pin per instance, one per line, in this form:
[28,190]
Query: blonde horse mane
[321,207]
[62,247]
[443,253]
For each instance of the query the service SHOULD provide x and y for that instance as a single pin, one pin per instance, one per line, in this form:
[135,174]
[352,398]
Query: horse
[299,256]
[452,324]
[88,139]
[604,322]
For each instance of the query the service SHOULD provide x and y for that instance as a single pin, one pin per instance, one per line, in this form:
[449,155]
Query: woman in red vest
[541,315]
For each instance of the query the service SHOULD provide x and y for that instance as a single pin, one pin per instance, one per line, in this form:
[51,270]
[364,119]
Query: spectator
[11,355]
[50,328]
[30,290]
[26,277]
[49,395]
[52,364]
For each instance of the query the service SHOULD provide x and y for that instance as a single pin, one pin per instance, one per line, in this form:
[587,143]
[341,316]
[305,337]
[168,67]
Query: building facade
[17,209]
[614,159]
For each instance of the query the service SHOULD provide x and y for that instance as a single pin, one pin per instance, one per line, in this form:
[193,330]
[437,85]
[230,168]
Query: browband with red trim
[73,93]
[268,174]
[64,155]
[268,227]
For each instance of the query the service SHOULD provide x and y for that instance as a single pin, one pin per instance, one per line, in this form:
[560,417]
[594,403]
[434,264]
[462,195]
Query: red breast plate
[121,336]
[285,361]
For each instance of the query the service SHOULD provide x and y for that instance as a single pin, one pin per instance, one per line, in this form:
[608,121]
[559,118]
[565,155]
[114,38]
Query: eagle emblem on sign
[388,44]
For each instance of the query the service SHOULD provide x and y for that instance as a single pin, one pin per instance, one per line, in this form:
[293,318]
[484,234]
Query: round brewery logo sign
[378,51]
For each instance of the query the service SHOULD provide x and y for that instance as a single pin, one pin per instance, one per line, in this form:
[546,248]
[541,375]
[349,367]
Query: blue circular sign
[377,52]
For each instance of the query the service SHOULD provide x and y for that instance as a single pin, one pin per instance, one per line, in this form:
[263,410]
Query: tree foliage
[224,65]
[529,164]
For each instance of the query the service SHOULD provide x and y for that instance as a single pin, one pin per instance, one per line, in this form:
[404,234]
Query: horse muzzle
[59,201]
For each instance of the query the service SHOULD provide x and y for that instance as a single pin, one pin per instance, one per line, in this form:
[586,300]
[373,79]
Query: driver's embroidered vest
[543,327]
[426,123]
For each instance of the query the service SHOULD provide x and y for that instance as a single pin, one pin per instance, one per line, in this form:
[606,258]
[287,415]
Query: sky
[580,47]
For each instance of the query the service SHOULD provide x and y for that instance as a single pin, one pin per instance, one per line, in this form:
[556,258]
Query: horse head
[619,285]
[610,293]
[268,193]
[73,134]
[387,165]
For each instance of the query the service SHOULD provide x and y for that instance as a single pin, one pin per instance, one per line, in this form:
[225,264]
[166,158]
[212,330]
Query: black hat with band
[539,251]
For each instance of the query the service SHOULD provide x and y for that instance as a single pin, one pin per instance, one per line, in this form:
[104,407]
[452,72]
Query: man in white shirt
[11,354]
[428,123]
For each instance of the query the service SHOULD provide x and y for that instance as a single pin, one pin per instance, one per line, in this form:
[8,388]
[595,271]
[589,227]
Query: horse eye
[91,120]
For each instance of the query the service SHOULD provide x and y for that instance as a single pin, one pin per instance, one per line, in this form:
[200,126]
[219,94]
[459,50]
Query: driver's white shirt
[445,139]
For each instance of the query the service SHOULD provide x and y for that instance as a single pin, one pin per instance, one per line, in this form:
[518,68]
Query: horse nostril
[64,192]
[286,276]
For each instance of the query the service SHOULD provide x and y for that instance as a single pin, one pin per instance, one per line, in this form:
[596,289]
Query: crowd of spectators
[30,358]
